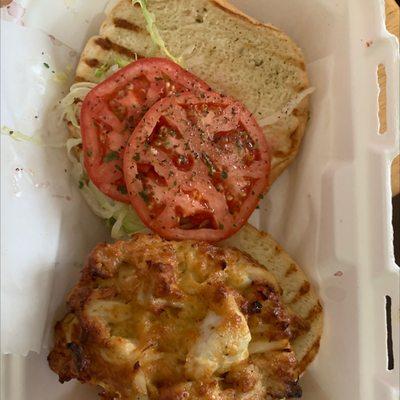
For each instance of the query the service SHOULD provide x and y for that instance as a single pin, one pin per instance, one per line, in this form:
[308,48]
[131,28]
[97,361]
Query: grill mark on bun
[92,62]
[314,312]
[291,270]
[309,355]
[107,44]
[124,24]
[304,289]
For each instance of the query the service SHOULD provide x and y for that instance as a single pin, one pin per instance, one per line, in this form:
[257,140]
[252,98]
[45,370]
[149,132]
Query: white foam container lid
[341,217]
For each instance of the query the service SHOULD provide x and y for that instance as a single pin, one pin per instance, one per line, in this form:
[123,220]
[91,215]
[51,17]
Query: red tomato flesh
[196,166]
[112,109]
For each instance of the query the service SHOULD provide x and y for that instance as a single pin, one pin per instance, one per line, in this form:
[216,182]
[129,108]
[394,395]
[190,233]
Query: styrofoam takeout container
[331,210]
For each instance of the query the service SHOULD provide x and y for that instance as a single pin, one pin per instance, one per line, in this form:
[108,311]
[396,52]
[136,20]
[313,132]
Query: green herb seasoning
[122,189]
[136,157]
[210,165]
[144,196]
[112,155]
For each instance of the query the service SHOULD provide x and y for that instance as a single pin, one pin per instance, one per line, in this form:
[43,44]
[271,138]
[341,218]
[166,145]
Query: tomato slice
[196,166]
[112,109]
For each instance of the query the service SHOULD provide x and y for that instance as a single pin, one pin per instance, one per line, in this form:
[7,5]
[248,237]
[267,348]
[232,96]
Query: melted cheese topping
[223,342]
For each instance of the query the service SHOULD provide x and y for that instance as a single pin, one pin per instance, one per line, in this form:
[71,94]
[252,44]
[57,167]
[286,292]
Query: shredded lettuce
[287,109]
[153,31]
[120,216]
[105,70]
[99,72]
[123,63]
[19,136]
[34,139]
[60,77]
[69,104]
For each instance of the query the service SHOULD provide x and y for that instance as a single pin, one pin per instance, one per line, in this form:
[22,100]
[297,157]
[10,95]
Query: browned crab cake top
[158,319]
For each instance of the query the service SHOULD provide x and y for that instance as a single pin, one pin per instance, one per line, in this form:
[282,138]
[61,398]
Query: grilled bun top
[236,55]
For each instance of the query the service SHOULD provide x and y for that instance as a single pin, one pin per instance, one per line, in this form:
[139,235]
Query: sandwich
[182,116]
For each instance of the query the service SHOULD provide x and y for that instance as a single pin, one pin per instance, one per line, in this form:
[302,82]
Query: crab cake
[158,319]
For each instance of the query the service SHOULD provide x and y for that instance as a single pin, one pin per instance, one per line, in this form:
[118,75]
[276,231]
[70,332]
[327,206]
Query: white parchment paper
[45,224]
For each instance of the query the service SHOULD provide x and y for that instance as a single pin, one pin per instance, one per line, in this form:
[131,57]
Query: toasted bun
[298,294]
[236,55]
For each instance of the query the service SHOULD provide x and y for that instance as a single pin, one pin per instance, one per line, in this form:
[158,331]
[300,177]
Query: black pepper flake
[255,307]
[260,196]
[224,175]
[264,292]
[46,65]
[80,184]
